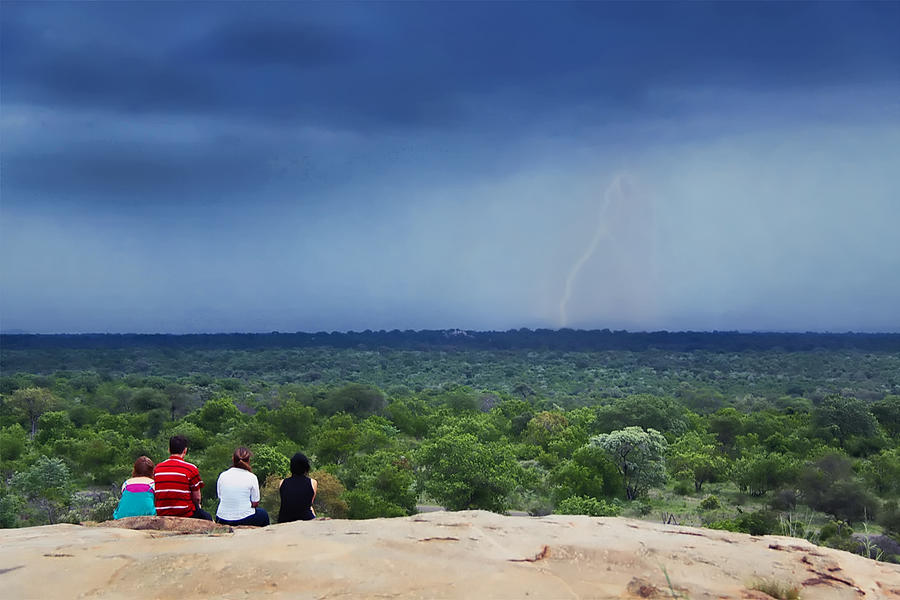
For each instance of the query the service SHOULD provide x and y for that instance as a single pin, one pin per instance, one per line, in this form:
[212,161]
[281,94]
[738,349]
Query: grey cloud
[259,43]
[370,66]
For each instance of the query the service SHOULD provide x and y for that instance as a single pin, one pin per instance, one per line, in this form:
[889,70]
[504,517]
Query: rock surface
[469,554]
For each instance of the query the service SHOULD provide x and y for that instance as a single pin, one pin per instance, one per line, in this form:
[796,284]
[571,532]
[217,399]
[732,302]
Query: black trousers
[199,513]
[260,518]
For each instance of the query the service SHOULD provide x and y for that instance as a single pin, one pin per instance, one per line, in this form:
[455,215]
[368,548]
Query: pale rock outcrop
[470,554]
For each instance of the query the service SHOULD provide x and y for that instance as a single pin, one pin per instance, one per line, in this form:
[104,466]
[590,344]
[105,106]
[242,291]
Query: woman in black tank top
[297,492]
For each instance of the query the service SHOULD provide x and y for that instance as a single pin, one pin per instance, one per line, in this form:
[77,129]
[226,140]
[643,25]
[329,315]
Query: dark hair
[299,464]
[241,458]
[177,444]
[143,467]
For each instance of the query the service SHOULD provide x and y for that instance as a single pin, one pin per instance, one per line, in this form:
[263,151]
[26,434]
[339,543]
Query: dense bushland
[803,443]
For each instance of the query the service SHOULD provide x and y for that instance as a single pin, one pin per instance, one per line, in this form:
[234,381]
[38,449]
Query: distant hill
[456,339]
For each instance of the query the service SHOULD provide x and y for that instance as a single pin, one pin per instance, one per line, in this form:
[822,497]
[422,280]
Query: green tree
[33,402]
[639,456]
[830,485]
[459,399]
[408,416]
[11,505]
[882,472]
[54,425]
[700,399]
[384,474]
[757,471]
[544,426]
[355,399]
[13,441]
[645,411]
[887,411]
[382,485]
[336,440]
[590,473]
[147,399]
[727,424]
[462,473]
[292,419]
[47,484]
[695,456]
[267,461]
[845,417]
[217,415]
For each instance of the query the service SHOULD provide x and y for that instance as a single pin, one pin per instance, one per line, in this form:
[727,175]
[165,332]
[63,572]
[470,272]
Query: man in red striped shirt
[178,484]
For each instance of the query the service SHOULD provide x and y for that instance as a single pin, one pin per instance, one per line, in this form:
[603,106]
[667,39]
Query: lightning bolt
[614,188]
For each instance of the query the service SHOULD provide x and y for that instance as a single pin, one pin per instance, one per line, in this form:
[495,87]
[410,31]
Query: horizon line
[459,331]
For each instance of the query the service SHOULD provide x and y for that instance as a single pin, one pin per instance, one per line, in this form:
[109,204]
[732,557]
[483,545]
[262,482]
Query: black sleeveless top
[296,499]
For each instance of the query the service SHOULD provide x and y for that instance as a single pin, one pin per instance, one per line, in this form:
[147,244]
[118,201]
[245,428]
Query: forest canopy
[748,440]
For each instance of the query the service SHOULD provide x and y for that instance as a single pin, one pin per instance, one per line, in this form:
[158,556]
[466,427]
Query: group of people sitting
[172,489]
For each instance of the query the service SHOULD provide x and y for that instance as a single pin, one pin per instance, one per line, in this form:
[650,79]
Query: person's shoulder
[189,465]
[248,475]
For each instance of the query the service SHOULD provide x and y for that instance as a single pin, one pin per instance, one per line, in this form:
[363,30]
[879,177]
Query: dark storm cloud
[260,43]
[376,68]
[129,175]
[364,65]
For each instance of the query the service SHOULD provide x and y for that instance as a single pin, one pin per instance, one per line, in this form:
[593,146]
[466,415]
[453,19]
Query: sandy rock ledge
[470,554]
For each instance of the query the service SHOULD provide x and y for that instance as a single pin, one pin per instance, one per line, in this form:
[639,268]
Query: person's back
[297,492]
[178,484]
[296,499]
[137,492]
[238,491]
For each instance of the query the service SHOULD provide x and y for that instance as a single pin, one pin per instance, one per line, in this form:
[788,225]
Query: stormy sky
[205,167]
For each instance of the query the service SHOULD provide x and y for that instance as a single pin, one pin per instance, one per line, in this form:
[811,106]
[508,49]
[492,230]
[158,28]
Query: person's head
[143,467]
[177,444]
[241,458]
[299,464]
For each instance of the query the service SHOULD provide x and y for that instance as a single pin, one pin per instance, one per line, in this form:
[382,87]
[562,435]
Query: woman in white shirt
[238,491]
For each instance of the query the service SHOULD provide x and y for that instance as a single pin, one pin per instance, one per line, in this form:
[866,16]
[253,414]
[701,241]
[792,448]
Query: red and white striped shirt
[175,480]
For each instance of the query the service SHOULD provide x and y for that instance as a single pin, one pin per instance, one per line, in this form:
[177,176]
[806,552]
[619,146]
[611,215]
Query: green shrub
[726,525]
[711,503]
[683,488]
[328,502]
[585,505]
[835,529]
[366,504]
[890,518]
[761,522]
[10,506]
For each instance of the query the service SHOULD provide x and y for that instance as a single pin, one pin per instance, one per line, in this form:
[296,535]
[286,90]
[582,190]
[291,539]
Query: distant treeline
[444,339]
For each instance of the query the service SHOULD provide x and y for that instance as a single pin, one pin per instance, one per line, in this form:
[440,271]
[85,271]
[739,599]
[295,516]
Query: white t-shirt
[236,489]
